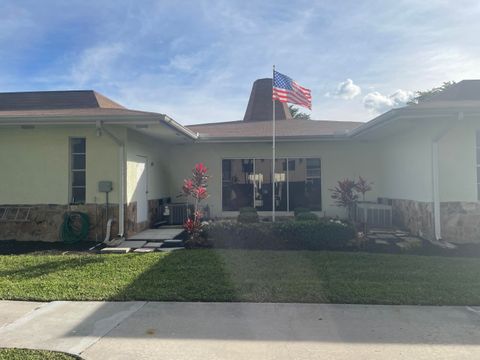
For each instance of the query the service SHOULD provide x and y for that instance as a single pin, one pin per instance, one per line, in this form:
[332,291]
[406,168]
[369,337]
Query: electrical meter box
[105,186]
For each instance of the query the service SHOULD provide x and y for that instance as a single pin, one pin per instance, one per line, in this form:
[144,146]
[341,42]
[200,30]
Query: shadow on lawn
[47,268]
[192,275]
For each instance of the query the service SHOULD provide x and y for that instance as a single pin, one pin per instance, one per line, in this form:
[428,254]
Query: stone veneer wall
[460,221]
[44,222]
[414,216]
[131,226]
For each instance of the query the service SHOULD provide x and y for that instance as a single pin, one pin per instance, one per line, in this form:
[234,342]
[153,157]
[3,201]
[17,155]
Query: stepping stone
[172,243]
[144,250]
[412,240]
[115,250]
[114,242]
[387,237]
[170,249]
[444,244]
[152,244]
[132,244]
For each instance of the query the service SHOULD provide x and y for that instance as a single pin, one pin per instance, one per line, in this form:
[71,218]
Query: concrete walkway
[156,330]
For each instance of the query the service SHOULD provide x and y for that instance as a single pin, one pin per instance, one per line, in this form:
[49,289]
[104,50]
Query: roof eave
[117,119]
[410,112]
[238,139]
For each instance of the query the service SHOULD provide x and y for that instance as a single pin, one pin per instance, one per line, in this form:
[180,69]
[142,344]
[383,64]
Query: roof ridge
[266,121]
[105,102]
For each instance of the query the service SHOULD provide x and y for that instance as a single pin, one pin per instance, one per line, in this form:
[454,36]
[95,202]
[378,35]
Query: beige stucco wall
[457,162]
[405,166]
[406,161]
[35,164]
[339,160]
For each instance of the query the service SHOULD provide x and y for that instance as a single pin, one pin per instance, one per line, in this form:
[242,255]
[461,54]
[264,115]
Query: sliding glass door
[248,182]
[304,184]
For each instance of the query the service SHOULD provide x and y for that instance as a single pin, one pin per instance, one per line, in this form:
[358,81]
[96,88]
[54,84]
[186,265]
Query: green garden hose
[75,227]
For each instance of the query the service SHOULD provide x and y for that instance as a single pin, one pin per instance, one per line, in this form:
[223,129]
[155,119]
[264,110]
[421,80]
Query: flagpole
[273,151]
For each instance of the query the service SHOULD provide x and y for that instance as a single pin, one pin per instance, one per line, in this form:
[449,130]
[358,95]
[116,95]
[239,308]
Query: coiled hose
[75,227]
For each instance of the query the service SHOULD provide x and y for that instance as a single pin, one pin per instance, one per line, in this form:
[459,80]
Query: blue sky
[196,60]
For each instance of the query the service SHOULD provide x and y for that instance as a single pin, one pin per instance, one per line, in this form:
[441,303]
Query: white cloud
[379,103]
[96,64]
[346,90]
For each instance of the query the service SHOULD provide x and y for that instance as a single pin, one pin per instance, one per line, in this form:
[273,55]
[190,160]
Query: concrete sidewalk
[156,330]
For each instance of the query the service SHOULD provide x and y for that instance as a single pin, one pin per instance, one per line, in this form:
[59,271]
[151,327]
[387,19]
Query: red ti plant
[196,188]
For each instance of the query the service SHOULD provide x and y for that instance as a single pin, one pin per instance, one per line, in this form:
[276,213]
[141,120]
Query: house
[55,148]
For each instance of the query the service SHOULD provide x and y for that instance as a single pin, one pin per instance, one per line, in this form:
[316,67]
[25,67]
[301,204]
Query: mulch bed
[13,247]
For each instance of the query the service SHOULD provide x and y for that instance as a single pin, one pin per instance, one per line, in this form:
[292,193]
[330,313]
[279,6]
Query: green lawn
[25,354]
[244,275]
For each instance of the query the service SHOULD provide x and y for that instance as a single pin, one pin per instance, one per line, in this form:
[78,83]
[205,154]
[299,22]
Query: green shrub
[247,210]
[299,210]
[247,217]
[287,235]
[306,216]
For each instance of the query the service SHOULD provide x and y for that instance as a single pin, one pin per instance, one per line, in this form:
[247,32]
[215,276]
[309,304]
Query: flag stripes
[287,90]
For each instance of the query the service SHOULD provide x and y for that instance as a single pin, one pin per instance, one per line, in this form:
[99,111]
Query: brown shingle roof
[285,129]
[43,100]
[74,103]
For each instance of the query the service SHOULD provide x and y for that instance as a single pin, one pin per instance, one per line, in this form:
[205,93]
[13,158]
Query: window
[77,170]
[304,183]
[248,182]
[237,190]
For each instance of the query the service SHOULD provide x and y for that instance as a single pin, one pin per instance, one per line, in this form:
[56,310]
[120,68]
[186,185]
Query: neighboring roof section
[260,106]
[465,90]
[293,128]
[55,100]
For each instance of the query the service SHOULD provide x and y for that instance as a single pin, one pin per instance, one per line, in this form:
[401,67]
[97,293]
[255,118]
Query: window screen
[77,170]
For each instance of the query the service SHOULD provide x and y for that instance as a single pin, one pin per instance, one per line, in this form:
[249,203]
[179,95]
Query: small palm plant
[347,193]
[363,186]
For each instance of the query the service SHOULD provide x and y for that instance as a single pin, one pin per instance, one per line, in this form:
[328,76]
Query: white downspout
[121,157]
[435,180]
[436,191]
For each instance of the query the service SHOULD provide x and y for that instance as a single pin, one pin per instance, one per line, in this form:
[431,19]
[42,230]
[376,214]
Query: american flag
[287,90]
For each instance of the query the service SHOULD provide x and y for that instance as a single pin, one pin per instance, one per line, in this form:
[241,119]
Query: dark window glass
[78,162]
[237,188]
[291,165]
[78,178]
[78,146]
[247,182]
[78,195]
[263,185]
[77,170]
[304,184]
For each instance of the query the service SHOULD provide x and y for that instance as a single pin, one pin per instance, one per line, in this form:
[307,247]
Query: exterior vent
[374,215]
